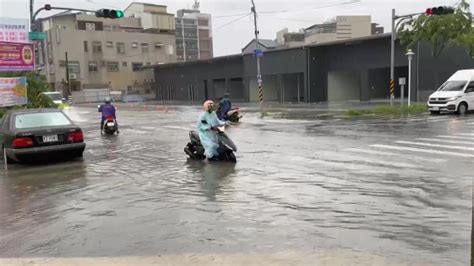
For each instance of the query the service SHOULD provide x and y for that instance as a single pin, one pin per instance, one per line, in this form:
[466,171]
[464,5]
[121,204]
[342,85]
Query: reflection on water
[214,176]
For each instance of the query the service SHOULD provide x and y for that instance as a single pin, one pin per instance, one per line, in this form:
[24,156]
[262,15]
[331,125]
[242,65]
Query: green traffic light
[119,14]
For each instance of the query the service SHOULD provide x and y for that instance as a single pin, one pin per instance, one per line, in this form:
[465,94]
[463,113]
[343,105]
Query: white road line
[470,123]
[448,141]
[465,134]
[435,145]
[398,148]
[405,156]
[455,137]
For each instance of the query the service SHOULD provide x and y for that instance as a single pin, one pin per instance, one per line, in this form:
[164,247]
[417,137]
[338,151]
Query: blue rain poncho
[207,136]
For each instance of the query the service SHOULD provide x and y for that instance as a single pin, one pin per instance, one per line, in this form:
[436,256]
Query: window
[93,66]
[86,47]
[170,49]
[110,44]
[453,86]
[97,47]
[470,87]
[112,67]
[51,119]
[137,67]
[158,45]
[124,64]
[144,47]
[203,22]
[120,48]
[134,45]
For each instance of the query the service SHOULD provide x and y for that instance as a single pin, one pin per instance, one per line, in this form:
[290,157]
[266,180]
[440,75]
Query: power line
[233,21]
[310,9]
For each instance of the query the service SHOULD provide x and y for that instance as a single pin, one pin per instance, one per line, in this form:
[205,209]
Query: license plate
[435,108]
[52,138]
[110,124]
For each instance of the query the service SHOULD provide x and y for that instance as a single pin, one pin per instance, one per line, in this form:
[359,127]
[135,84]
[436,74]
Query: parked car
[35,134]
[455,95]
[55,96]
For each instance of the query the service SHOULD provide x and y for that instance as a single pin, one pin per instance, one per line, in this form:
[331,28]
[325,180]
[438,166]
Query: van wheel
[435,112]
[462,109]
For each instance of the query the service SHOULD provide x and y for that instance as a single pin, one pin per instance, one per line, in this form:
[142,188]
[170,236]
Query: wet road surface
[396,188]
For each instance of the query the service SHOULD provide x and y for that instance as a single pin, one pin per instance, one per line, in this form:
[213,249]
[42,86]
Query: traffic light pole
[395,25]
[48,7]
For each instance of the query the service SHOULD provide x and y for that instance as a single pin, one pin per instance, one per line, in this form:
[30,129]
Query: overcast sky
[230,38]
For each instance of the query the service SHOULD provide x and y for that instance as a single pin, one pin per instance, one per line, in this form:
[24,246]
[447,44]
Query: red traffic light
[439,11]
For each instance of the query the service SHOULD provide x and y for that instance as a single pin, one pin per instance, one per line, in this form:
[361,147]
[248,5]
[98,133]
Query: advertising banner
[14,30]
[13,91]
[16,57]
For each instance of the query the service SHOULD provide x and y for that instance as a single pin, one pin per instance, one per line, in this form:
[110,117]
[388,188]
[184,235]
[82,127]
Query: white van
[455,95]
[56,96]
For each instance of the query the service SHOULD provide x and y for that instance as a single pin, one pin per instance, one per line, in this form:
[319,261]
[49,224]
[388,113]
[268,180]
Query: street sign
[402,81]
[14,30]
[258,52]
[36,36]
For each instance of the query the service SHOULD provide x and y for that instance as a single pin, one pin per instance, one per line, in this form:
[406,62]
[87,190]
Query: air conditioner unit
[158,45]
[72,76]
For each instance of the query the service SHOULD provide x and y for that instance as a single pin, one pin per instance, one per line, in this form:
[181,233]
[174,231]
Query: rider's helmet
[107,99]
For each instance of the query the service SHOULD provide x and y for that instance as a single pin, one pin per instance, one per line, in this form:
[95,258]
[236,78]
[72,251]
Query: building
[107,53]
[341,28]
[265,45]
[193,35]
[287,39]
[356,69]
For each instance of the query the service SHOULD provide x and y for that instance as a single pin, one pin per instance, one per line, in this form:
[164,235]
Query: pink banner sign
[16,57]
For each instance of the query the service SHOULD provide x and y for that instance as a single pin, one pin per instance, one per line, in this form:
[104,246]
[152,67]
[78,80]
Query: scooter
[226,149]
[110,125]
[232,116]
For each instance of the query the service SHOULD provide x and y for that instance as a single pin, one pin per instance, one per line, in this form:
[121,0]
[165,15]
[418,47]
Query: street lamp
[410,55]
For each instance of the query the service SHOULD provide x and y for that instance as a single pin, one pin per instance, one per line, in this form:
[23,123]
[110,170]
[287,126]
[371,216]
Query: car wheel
[462,109]
[435,112]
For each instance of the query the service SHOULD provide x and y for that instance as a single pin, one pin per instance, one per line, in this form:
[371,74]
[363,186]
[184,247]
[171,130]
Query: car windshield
[54,96]
[453,86]
[36,120]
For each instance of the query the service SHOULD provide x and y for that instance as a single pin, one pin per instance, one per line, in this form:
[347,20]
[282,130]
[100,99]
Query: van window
[453,86]
[470,87]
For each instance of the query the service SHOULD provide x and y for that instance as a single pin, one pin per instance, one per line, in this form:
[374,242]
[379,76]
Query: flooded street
[395,188]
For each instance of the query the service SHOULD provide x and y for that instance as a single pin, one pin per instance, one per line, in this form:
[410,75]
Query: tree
[441,31]
[467,40]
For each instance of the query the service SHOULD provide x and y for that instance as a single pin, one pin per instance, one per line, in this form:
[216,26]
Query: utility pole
[258,54]
[68,90]
[32,3]
[392,60]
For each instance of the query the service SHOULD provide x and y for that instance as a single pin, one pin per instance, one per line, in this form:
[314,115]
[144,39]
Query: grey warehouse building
[356,69]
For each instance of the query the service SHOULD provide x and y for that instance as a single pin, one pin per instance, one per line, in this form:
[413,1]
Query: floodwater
[398,189]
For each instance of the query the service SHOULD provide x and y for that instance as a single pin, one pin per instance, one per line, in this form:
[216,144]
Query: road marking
[435,145]
[405,156]
[448,141]
[465,134]
[398,148]
[454,137]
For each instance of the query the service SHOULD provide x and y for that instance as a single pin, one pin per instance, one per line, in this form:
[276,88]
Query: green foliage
[388,110]
[467,40]
[36,85]
[441,31]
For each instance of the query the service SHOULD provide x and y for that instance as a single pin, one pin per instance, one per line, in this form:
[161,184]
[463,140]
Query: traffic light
[109,13]
[439,11]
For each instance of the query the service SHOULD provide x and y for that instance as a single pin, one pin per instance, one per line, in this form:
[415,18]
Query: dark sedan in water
[39,134]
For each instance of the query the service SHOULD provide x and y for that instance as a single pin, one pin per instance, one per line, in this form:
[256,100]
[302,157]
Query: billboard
[14,30]
[13,91]
[16,57]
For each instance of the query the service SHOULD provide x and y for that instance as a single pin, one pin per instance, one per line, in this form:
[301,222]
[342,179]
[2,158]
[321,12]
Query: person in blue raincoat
[207,125]
[224,107]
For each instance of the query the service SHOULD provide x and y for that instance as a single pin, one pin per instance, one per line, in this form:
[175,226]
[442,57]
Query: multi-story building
[193,35]
[108,53]
[287,39]
[343,27]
